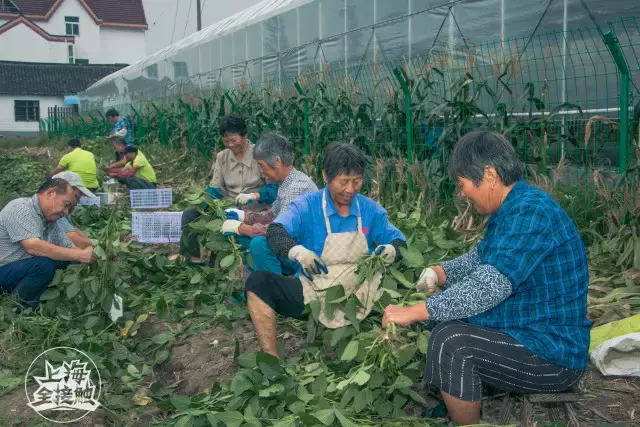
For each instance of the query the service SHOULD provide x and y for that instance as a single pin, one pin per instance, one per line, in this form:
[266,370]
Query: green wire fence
[570,95]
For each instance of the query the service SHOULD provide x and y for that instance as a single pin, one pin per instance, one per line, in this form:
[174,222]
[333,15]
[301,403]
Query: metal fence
[568,94]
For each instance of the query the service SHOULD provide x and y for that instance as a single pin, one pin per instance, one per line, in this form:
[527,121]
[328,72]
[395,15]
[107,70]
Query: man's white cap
[75,181]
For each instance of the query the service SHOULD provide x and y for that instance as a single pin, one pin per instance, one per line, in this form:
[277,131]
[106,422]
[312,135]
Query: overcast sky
[165,26]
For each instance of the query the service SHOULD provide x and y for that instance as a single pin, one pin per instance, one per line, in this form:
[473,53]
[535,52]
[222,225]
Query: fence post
[139,131]
[163,133]
[613,44]
[49,131]
[408,111]
[305,104]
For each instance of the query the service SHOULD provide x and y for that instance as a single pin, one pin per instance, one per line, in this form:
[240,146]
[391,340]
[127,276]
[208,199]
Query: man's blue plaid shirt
[533,242]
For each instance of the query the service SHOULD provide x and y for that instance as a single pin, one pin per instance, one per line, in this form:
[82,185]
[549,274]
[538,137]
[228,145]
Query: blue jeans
[29,278]
[265,260]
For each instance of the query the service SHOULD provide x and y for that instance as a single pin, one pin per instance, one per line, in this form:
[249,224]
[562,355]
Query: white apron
[340,254]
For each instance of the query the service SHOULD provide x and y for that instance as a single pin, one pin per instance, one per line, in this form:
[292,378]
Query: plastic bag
[618,356]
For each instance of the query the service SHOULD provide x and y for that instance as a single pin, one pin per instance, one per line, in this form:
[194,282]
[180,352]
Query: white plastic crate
[156,227]
[106,198]
[153,198]
[89,201]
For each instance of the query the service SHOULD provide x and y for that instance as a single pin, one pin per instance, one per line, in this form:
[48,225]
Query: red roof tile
[119,13]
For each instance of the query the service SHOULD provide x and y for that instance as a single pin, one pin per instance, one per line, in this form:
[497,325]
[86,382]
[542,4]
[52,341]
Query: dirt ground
[208,357]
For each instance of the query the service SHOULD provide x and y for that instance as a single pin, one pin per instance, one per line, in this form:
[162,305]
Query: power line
[175,19]
[184,33]
[204,3]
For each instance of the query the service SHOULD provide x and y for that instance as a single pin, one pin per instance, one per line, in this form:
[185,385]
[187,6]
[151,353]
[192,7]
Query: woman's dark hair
[59,185]
[112,112]
[343,158]
[130,149]
[479,149]
[233,124]
[75,143]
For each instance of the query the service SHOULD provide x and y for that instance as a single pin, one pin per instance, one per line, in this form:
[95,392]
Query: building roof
[45,79]
[35,28]
[111,13]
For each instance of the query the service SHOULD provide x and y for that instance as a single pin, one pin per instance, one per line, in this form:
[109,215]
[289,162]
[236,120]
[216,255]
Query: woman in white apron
[325,233]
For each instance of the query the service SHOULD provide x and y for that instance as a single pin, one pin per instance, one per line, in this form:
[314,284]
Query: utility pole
[199,15]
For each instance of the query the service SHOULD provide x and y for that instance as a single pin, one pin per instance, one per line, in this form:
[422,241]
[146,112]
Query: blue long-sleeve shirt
[304,221]
[528,277]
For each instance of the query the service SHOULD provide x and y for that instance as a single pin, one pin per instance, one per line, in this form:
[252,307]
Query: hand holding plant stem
[404,316]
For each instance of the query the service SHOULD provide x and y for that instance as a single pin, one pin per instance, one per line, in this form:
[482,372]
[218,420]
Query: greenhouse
[280,39]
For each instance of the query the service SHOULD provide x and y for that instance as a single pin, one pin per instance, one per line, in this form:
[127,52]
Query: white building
[38,36]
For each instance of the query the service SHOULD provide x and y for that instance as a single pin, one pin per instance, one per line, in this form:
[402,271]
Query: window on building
[72,24]
[180,70]
[71,56]
[26,111]
[152,71]
[8,6]
[82,61]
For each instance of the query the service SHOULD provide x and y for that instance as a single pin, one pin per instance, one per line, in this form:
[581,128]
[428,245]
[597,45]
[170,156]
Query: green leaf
[73,289]
[423,343]
[343,420]
[162,308]
[351,351]
[184,421]
[162,356]
[325,416]
[100,252]
[285,423]
[362,377]
[227,261]
[120,352]
[274,390]
[319,385]
[360,401]
[351,312]
[247,360]
[402,382]
[181,403]
[240,384]
[49,294]
[231,419]
[406,353]
[133,371]
[400,278]
[162,337]
[196,278]
[412,257]
[91,322]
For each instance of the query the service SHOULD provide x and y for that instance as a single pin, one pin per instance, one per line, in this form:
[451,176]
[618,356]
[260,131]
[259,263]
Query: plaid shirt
[128,139]
[295,184]
[533,242]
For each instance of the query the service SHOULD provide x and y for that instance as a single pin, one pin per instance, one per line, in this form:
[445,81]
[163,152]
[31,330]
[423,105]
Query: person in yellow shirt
[81,162]
[137,174]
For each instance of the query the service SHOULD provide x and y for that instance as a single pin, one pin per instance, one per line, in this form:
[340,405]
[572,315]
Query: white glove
[310,262]
[388,252]
[246,198]
[236,214]
[230,226]
[428,281]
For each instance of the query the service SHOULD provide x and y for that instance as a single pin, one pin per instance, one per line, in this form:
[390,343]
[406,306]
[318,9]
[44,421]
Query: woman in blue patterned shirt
[512,313]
